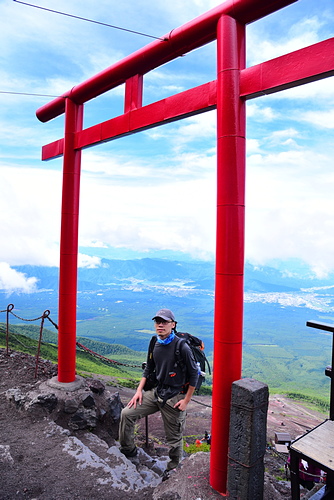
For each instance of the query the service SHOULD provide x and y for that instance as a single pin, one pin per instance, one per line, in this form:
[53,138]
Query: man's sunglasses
[159,321]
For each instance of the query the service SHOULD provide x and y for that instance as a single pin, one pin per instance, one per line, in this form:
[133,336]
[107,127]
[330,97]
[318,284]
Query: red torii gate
[228,93]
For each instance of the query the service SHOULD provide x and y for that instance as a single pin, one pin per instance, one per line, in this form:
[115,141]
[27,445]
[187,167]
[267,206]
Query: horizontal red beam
[188,103]
[291,70]
[178,42]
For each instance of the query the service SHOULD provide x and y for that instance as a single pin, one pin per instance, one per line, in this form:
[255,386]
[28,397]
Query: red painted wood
[296,68]
[69,245]
[179,41]
[234,85]
[133,93]
[230,239]
[291,70]
[53,150]
[187,103]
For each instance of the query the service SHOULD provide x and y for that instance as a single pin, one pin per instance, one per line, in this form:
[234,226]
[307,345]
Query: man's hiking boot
[165,475]
[131,454]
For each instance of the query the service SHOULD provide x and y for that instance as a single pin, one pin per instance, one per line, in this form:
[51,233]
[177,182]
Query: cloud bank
[157,190]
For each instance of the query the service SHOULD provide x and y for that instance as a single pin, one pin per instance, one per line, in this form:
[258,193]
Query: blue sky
[154,192]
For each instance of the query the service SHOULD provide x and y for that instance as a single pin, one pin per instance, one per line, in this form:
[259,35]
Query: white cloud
[279,135]
[290,208]
[323,119]
[253,146]
[196,129]
[175,215]
[14,281]
[286,138]
[260,113]
[157,189]
[29,215]
[14,135]
[262,47]
[319,93]
[104,166]
[169,82]
[88,261]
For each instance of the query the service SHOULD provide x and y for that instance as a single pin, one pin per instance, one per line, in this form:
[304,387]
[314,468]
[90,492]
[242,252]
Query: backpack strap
[179,360]
[178,353]
[152,343]
[207,362]
[151,380]
[191,339]
[177,350]
[149,357]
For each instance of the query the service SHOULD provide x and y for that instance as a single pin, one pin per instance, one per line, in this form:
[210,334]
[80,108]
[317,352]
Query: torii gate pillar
[69,244]
[227,94]
[230,236]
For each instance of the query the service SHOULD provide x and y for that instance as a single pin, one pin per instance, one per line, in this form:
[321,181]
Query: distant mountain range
[196,274]
[117,300]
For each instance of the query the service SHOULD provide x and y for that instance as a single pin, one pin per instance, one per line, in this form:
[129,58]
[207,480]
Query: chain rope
[200,403]
[95,354]
[46,315]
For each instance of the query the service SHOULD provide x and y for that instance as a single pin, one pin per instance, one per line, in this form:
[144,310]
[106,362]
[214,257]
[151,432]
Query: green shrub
[320,403]
[194,448]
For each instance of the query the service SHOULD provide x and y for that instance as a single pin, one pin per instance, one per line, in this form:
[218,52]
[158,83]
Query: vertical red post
[133,93]
[228,316]
[69,245]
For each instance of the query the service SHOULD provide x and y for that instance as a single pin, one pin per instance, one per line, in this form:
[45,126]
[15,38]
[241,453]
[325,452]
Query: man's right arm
[138,397]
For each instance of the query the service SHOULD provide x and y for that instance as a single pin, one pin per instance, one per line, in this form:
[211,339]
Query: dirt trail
[32,458]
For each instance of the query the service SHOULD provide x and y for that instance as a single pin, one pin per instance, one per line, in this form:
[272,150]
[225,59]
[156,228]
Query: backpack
[197,347]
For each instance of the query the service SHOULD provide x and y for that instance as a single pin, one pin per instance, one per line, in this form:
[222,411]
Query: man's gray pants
[173,419]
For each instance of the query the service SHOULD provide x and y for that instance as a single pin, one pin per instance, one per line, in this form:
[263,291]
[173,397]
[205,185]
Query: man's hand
[183,403]
[138,397]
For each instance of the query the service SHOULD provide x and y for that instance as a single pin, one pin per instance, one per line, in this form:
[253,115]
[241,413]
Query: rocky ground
[44,456]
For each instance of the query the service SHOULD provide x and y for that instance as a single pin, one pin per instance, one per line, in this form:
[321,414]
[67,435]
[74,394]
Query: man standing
[170,396]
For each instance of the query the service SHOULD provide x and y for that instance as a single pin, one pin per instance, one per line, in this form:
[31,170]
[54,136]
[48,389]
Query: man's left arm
[183,403]
[192,371]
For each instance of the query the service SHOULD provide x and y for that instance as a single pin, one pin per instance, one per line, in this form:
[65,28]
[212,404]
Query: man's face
[163,328]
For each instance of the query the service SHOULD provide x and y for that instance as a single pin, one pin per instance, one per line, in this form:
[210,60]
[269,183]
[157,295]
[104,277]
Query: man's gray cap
[165,314]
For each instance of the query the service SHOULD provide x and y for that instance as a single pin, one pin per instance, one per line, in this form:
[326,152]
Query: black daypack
[197,347]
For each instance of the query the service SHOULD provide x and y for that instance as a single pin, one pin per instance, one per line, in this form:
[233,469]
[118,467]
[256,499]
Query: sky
[154,193]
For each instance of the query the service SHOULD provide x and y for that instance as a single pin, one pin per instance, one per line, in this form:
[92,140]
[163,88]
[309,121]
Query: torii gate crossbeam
[227,94]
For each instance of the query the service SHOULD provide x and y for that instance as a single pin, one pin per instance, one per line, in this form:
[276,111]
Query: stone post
[247,440]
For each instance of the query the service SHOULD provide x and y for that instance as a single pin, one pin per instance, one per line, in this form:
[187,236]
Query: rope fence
[103,358]
[43,317]
[46,316]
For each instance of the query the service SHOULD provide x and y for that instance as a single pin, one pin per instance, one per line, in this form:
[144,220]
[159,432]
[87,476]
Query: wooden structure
[317,446]
[235,83]
[282,441]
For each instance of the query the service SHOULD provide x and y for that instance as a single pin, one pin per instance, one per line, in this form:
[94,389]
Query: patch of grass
[205,390]
[130,383]
[314,402]
[193,444]
[85,362]
[194,448]
[282,476]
